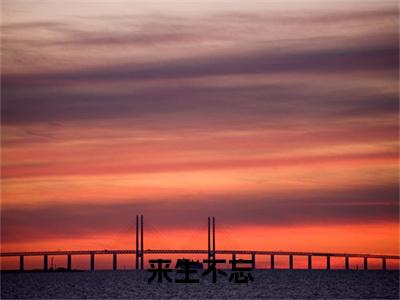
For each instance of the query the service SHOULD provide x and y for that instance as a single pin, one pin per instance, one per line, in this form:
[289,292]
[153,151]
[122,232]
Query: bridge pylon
[139,251]
[211,239]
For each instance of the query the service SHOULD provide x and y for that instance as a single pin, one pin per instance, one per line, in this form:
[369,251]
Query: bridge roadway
[211,254]
[151,251]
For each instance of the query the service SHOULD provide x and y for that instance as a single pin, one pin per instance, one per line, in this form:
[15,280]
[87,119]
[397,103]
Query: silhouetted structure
[211,239]
[139,253]
[211,253]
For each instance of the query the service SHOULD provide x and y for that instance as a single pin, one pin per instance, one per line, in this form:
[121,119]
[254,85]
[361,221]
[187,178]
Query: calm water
[267,284]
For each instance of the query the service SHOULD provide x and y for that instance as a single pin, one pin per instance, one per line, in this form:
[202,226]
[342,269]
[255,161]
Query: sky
[279,118]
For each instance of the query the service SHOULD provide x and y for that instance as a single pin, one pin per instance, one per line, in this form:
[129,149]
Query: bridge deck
[151,251]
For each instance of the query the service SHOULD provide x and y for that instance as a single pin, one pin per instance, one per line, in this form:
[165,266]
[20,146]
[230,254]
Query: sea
[265,284]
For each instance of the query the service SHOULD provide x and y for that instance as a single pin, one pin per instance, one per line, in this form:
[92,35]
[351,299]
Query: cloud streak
[376,58]
[325,207]
[267,115]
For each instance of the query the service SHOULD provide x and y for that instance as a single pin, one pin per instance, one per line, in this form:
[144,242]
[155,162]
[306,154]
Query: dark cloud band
[357,206]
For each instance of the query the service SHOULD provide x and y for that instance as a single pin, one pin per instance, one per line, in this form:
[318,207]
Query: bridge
[211,252]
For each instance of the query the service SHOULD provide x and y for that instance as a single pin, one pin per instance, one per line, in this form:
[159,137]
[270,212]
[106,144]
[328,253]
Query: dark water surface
[302,284]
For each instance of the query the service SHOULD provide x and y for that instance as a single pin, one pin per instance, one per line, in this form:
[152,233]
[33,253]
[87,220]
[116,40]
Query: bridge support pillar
[92,262]
[209,243]
[347,263]
[253,261]
[139,238]
[272,262]
[383,263]
[137,244]
[21,263]
[211,240]
[69,262]
[291,262]
[45,263]
[310,262]
[141,244]
[115,262]
[328,262]
[365,263]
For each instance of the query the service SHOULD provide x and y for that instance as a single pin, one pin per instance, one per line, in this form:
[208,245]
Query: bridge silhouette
[211,252]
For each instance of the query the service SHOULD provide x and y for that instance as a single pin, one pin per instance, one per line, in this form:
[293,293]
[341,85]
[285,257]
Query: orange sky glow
[279,120]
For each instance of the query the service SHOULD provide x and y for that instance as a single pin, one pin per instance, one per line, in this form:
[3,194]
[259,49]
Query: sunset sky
[279,118]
